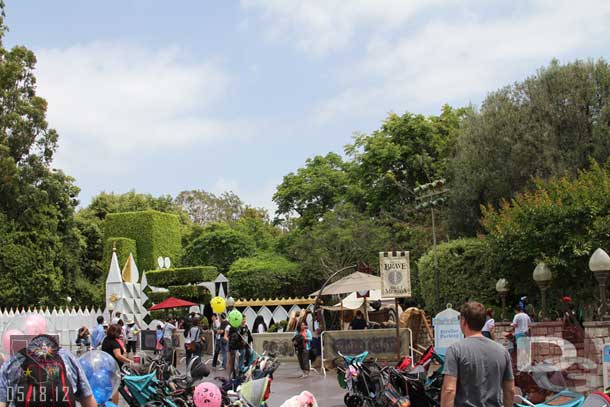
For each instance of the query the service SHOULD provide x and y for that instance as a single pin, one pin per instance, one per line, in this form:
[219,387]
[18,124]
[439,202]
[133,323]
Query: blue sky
[162,97]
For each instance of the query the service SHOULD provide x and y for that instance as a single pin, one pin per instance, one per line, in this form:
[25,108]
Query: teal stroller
[146,391]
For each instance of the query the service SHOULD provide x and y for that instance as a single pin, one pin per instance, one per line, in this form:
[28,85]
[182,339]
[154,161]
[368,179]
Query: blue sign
[606,353]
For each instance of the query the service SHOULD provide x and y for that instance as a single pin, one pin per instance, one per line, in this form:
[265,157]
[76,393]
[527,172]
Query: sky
[162,96]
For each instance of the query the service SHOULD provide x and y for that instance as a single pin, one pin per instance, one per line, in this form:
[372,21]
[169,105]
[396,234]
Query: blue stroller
[145,390]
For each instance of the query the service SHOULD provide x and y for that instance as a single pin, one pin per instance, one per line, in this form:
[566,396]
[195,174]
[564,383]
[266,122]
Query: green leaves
[181,276]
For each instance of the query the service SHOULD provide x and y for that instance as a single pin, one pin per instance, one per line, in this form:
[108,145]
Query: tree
[106,203]
[406,151]
[204,207]
[256,224]
[219,246]
[342,238]
[265,275]
[40,244]
[314,189]
[551,123]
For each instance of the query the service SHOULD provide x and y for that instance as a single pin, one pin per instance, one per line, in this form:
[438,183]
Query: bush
[265,275]
[157,297]
[124,246]
[193,293]
[181,276]
[156,234]
[218,245]
[464,273]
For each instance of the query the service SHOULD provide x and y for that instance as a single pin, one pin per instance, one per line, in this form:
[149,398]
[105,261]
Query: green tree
[218,245]
[406,151]
[40,249]
[204,207]
[315,189]
[265,275]
[256,224]
[551,123]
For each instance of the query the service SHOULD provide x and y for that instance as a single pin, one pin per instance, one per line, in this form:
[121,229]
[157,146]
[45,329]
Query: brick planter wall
[596,335]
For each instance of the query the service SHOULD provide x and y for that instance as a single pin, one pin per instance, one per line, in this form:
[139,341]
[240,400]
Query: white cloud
[111,101]
[419,55]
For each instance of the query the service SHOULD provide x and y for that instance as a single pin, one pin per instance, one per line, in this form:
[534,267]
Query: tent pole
[397,329]
[341,319]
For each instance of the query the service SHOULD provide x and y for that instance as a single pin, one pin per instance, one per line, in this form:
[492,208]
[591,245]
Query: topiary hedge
[181,276]
[156,234]
[465,273]
[124,246]
[193,293]
[157,297]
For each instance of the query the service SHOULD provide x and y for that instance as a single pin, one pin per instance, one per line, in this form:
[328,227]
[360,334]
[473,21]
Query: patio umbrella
[356,281]
[171,302]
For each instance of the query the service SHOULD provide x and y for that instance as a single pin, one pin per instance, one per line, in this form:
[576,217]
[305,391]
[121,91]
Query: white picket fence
[63,321]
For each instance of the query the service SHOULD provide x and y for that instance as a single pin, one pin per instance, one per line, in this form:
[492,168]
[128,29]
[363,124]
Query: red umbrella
[171,302]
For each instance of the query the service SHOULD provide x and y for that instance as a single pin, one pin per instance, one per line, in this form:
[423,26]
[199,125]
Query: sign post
[395,282]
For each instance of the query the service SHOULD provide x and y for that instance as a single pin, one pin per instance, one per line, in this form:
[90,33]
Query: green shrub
[156,234]
[181,276]
[464,273]
[193,293]
[124,246]
[218,245]
[265,275]
[158,297]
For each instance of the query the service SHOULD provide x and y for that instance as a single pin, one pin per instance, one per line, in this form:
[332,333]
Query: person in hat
[68,383]
[132,332]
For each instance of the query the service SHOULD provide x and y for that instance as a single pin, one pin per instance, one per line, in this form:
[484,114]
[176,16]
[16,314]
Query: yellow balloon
[218,304]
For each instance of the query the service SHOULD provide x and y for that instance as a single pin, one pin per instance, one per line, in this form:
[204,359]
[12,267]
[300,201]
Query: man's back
[480,366]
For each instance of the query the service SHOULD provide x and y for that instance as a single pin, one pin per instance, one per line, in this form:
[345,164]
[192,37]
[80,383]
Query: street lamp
[543,276]
[430,196]
[502,289]
[600,266]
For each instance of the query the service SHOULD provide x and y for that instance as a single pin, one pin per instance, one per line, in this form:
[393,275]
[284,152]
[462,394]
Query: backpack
[298,342]
[44,381]
[235,340]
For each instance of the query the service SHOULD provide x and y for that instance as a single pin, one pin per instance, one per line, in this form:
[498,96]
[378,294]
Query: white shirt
[167,330]
[114,320]
[261,329]
[489,324]
[521,322]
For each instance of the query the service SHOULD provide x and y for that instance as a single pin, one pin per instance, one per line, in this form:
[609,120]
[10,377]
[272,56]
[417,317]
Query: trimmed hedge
[124,246]
[465,273]
[157,297]
[156,234]
[193,293]
[181,276]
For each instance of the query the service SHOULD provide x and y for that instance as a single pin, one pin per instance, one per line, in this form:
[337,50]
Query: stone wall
[596,335]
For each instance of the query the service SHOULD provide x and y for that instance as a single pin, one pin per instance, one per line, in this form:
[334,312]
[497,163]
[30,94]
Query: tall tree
[552,123]
[205,207]
[40,244]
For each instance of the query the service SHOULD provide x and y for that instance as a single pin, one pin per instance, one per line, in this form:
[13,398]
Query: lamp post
[430,196]
[600,266]
[502,288]
[543,276]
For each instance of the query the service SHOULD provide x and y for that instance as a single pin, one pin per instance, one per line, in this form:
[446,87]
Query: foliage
[561,222]
[265,275]
[256,224]
[406,151]
[464,272]
[105,203]
[193,293]
[181,276]
[158,296]
[156,234]
[545,126]
[314,189]
[204,207]
[342,238]
[218,245]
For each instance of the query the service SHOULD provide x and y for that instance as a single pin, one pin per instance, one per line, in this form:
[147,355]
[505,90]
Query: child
[159,345]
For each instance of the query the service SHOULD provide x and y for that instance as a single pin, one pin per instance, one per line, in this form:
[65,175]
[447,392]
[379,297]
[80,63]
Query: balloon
[35,324]
[235,318]
[207,395]
[6,338]
[218,304]
[103,374]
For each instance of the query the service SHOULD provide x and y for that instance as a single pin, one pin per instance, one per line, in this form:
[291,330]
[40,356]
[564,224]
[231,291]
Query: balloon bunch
[218,304]
[207,395]
[33,324]
[102,371]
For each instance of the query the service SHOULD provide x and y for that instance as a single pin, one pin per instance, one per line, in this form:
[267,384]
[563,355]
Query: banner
[278,343]
[380,343]
[395,274]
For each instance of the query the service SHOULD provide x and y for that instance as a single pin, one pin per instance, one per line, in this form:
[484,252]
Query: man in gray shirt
[477,371]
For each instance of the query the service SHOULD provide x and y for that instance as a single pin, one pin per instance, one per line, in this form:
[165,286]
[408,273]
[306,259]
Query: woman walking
[490,325]
[302,344]
[114,347]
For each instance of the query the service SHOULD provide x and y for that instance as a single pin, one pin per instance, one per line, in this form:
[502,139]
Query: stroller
[253,393]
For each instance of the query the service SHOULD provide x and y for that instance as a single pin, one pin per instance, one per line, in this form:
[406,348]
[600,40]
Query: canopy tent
[171,302]
[356,281]
[352,302]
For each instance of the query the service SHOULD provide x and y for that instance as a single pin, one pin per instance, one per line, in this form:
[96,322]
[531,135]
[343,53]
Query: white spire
[114,274]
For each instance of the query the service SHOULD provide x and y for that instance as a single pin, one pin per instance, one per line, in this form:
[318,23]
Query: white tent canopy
[356,281]
[352,302]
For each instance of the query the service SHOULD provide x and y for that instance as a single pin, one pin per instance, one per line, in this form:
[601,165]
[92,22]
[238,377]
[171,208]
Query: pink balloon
[6,338]
[35,325]
[207,395]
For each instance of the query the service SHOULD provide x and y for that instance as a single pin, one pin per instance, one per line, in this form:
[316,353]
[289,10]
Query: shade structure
[356,281]
[171,302]
[352,302]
